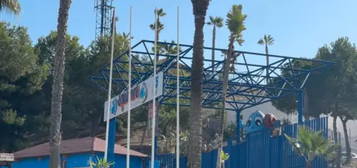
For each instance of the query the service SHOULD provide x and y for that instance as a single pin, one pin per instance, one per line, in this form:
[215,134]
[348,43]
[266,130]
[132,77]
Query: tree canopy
[332,86]
[25,90]
[21,76]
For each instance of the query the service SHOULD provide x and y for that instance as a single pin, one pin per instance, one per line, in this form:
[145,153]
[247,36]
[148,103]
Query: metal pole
[178,92]
[129,96]
[238,121]
[109,121]
[300,106]
[154,100]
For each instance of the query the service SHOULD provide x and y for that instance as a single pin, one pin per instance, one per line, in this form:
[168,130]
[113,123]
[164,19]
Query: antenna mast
[104,11]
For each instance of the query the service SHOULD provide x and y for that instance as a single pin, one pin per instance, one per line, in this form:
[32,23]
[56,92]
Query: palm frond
[311,144]
[11,5]
[266,40]
[235,20]
[216,21]
[239,39]
[160,12]
[261,42]
[100,163]
[269,39]
[159,25]
[211,20]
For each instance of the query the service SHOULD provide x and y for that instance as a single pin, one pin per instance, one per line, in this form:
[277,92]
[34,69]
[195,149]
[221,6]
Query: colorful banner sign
[140,94]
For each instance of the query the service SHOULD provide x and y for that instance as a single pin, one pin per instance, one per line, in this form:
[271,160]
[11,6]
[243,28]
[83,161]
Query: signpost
[7,157]
[140,94]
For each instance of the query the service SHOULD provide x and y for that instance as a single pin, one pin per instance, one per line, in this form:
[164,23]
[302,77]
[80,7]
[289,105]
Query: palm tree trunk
[195,136]
[267,62]
[336,139]
[335,129]
[144,133]
[224,95]
[57,85]
[347,142]
[213,46]
[157,37]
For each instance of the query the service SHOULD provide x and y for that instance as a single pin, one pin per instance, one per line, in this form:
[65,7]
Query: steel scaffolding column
[300,106]
[111,137]
[239,122]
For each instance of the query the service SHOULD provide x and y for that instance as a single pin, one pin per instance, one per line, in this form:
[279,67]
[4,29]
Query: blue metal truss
[251,81]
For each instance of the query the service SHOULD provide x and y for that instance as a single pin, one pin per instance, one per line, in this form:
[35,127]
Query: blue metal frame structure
[251,81]
[247,81]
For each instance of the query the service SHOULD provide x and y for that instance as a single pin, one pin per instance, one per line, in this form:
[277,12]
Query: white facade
[265,108]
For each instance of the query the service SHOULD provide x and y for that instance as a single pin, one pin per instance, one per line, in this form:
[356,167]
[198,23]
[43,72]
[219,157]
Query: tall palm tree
[57,85]
[158,14]
[195,136]
[216,22]
[267,40]
[235,23]
[310,144]
[10,5]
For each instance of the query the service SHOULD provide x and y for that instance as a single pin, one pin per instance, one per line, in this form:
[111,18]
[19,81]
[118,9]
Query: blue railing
[259,150]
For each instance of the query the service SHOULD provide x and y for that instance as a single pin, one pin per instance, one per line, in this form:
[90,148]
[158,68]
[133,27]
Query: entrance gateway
[251,81]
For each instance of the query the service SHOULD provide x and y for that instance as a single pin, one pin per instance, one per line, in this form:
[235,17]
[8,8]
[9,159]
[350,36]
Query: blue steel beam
[247,86]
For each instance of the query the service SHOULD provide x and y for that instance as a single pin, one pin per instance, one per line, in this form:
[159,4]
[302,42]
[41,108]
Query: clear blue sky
[299,27]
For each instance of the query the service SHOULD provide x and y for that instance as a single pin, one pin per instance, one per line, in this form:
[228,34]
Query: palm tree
[195,136]
[100,163]
[216,22]
[310,144]
[10,5]
[267,40]
[235,23]
[169,48]
[158,14]
[57,85]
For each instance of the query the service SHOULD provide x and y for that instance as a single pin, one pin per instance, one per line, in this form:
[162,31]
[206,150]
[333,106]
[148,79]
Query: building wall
[41,162]
[265,108]
[77,161]
[351,129]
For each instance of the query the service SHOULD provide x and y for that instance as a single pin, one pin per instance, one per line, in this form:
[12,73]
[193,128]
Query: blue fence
[259,150]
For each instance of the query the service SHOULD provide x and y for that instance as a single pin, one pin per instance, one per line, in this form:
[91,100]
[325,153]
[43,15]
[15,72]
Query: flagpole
[154,100]
[129,96]
[109,88]
[178,92]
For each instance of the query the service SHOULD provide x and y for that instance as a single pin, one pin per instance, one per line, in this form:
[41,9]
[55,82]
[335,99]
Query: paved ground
[354,147]
[353,165]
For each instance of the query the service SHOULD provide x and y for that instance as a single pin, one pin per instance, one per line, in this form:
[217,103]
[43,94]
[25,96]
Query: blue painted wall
[120,161]
[78,160]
